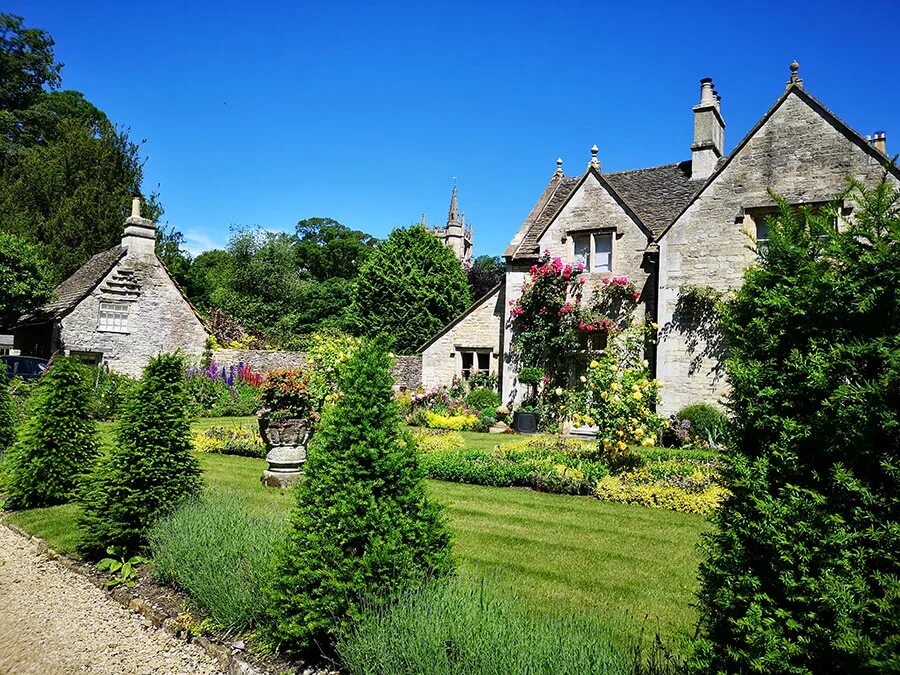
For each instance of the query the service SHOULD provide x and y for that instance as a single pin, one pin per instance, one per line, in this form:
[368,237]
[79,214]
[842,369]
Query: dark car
[27,367]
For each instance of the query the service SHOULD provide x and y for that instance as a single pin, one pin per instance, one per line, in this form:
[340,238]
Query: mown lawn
[553,551]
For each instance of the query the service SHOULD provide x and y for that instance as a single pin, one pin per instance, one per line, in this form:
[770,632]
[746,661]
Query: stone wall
[797,154]
[478,329]
[262,360]
[407,369]
[159,320]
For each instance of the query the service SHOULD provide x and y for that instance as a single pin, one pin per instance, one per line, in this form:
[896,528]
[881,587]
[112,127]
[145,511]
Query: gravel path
[54,621]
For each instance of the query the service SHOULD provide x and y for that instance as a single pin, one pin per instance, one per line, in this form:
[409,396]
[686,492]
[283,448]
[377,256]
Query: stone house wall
[796,153]
[159,320]
[479,328]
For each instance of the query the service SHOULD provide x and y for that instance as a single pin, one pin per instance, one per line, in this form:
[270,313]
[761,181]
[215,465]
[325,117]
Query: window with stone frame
[474,361]
[763,216]
[593,250]
[113,317]
[92,359]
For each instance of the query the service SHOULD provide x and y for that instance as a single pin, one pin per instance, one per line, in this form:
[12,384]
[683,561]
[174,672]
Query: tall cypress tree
[363,527]
[802,573]
[151,471]
[58,441]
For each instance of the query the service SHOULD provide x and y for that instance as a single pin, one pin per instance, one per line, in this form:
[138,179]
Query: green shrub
[363,527]
[483,399]
[706,421]
[110,391]
[802,572]
[437,440]
[454,627]
[57,442]
[213,397]
[218,554]
[151,470]
[8,417]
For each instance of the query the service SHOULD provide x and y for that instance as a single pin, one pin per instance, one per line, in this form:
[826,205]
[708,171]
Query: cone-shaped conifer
[151,471]
[363,527]
[58,441]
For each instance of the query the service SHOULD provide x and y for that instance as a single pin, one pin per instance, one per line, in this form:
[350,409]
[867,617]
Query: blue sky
[265,113]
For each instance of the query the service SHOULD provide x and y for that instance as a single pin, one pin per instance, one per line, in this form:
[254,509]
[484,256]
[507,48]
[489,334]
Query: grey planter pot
[286,442]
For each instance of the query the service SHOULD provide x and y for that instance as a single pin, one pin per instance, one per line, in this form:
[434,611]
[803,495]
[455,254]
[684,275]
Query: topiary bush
[706,420]
[483,399]
[151,470]
[8,416]
[57,442]
[363,527]
[802,569]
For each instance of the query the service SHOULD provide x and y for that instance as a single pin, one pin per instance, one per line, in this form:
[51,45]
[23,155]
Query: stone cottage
[121,308]
[670,228]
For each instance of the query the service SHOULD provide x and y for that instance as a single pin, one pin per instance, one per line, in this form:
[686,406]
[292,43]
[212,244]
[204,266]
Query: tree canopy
[24,279]
[409,288]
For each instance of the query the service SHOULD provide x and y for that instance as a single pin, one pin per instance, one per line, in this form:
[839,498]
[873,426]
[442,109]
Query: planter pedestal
[286,444]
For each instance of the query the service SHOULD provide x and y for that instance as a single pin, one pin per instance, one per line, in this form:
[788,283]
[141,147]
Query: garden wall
[407,369]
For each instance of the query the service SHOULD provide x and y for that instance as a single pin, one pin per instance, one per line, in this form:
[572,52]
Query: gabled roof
[651,196]
[475,305]
[77,287]
[815,104]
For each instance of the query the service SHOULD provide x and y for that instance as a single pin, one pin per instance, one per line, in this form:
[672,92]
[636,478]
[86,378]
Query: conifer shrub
[150,472]
[8,417]
[57,442]
[802,572]
[363,529]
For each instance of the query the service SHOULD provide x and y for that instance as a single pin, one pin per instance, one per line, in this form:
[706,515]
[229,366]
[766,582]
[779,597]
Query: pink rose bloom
[635,296]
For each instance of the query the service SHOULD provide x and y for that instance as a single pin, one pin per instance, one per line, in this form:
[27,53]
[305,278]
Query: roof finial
[423,222]
[795,80]
[594,161]
[559,169]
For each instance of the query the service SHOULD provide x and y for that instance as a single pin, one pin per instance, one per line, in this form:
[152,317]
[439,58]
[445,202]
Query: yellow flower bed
[437,440]
[615,489]
[435,420]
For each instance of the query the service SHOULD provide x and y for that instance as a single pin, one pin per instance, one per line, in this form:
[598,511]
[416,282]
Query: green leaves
[150,472]
[802,574]
[363,528]
[123,572]
[57,443]
[408,289]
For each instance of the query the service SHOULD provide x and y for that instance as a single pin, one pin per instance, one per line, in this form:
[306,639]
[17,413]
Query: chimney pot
[136,206]
[709,132]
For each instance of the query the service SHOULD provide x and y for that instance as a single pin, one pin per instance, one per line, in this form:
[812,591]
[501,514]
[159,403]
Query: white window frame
[593,236]
[112,316]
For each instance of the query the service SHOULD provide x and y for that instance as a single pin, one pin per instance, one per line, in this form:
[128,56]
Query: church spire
[453,215]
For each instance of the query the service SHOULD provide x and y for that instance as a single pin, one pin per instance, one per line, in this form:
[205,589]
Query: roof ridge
[646,168]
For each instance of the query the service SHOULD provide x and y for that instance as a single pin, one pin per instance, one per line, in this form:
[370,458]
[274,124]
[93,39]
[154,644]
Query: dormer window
[594,251]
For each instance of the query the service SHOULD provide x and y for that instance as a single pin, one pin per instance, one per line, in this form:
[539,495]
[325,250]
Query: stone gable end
[479,329]
[159,319]
[796,153]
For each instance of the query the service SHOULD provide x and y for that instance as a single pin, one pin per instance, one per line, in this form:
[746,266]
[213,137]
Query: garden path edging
[229,661]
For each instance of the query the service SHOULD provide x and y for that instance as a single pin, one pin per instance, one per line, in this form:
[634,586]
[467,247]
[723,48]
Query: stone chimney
[709,132]
[879,142]
[140,233]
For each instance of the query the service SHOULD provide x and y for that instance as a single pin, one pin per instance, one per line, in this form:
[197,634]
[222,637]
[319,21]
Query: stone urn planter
[285,441]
